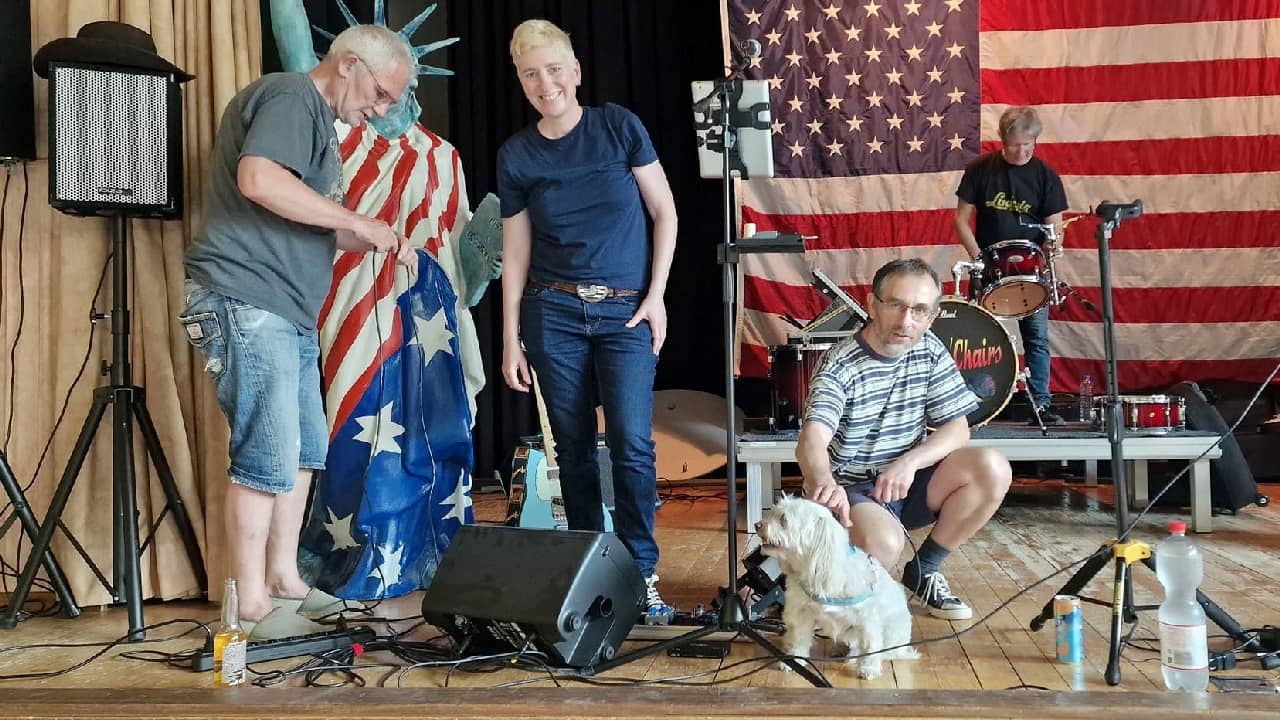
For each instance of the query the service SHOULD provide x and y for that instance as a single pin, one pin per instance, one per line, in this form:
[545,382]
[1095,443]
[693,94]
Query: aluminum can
[1068,621]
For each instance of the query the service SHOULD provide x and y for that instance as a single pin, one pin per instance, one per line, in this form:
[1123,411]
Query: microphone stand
[732,615]
[1123,550]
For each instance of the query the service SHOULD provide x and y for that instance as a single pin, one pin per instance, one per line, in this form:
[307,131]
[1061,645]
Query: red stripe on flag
[367,173]
[343,264]
[1024,15]
[845,231]
[802,302]
[357,390]
[1178,305]
[420,212]
[1127,83]
[351,142]
[1176,156]
[1185,231]
[400,174]
[358,316]
[1148,375]
[753,360]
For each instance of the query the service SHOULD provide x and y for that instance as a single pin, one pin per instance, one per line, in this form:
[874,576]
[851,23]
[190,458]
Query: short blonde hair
[376,45]
[532,34]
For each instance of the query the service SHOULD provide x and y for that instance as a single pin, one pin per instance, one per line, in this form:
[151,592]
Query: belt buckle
[593,293]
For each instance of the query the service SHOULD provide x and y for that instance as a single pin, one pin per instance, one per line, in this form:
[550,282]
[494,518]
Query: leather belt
[588,293]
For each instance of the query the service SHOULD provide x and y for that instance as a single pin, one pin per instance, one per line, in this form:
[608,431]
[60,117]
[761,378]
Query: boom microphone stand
[128,404]
[732,613]
[1124,550]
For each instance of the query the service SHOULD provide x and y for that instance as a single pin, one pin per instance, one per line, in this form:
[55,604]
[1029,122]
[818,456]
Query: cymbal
[688,432]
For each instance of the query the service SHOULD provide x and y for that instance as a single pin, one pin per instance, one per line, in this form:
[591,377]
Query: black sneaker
[935,593]
[1048,417]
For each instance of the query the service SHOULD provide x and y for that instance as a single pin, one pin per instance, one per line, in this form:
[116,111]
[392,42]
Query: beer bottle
[231,642]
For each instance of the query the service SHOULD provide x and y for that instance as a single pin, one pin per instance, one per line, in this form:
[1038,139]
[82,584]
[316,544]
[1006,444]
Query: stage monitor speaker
[17,122]
[115,141]
[573,595]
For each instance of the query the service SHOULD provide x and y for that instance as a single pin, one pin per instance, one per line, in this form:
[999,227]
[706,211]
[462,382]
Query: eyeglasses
[918,312]
[384,97]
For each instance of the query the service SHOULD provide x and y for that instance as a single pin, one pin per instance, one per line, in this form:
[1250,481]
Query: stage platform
[764,454]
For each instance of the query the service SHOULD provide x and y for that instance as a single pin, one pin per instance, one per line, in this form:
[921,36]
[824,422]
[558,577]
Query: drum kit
[1008,281]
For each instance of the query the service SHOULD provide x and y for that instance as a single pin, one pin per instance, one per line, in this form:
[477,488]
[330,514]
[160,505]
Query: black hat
[107,43]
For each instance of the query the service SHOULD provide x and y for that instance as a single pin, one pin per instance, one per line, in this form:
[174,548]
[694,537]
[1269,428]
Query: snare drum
[1150,414]
[791,368]
[1015,279]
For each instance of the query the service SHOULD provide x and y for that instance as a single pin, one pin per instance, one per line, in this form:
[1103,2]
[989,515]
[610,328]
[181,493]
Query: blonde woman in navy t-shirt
[582,285]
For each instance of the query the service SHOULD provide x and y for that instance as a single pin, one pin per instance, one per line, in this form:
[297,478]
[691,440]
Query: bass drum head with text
[984,353]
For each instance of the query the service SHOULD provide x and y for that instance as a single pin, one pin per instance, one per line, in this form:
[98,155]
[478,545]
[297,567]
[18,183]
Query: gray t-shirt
[245,251]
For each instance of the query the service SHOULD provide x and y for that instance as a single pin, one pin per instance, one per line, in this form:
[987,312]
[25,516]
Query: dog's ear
[828,544]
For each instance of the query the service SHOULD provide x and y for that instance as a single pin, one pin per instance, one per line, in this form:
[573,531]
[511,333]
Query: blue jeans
[267,375]
[582,350]
[1035,345]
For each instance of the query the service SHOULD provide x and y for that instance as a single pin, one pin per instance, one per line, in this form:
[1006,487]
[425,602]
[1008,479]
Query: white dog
[834,588]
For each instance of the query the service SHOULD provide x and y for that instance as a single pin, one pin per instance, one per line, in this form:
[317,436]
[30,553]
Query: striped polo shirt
[877,407]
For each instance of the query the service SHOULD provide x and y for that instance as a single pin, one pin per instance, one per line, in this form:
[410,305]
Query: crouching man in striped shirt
[864,451]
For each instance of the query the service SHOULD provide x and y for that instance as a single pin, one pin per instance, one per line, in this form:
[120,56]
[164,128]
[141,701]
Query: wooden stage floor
[998,669]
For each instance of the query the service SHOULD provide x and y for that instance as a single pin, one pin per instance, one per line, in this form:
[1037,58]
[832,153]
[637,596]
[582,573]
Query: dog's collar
[844,602]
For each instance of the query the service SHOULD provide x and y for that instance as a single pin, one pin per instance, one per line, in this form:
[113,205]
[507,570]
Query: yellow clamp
[1132,551]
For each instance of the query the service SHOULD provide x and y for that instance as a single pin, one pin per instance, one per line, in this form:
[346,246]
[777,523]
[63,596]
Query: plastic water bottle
[1086,399]
[1184,647]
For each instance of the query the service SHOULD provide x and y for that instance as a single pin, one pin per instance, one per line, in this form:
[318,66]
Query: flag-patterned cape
[879,104]
[401,367]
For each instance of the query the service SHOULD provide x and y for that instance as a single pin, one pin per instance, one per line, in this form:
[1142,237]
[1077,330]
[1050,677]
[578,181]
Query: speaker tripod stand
[128,405]
[1123,550]
[22,514]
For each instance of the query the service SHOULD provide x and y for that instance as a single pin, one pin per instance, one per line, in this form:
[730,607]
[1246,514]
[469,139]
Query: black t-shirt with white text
[1008,195]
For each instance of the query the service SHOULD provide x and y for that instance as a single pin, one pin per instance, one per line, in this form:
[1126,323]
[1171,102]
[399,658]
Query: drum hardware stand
[728,119]
[1023,378]
[1123,550]
[974,269]
[22,513]
[128,403]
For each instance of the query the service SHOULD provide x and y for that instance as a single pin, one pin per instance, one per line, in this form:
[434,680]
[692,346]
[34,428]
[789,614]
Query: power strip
[264,650]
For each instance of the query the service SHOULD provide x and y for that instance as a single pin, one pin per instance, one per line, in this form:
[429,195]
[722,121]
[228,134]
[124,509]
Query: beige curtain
[51,268]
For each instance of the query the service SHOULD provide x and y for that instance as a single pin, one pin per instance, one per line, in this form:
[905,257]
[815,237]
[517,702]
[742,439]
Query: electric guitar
[535,499]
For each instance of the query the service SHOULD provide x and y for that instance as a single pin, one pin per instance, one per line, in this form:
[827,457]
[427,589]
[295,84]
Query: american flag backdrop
[401,367]
[879,104]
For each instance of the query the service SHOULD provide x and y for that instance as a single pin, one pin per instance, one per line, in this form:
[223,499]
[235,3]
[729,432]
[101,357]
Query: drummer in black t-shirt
[1009,188]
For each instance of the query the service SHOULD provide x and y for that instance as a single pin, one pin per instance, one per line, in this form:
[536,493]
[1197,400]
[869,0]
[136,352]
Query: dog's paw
[780,665]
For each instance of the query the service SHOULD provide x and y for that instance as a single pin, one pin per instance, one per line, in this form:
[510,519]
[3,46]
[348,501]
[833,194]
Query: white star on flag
[436,333]
[379,431]
[340,530]
[460,500]
[388,571]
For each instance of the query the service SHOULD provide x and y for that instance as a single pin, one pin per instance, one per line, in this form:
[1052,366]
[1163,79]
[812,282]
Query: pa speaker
[573,595]
[115,141]
[17,122]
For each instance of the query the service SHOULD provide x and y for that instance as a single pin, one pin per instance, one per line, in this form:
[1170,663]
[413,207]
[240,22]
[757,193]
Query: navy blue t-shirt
[589,220]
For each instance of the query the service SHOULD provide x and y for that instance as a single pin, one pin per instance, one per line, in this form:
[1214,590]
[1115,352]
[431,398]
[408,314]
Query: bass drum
[984,352]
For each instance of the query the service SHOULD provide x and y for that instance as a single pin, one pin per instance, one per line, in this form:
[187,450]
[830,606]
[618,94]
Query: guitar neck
[544,423]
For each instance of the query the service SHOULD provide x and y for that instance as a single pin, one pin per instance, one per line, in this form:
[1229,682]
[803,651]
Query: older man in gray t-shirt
[258,273]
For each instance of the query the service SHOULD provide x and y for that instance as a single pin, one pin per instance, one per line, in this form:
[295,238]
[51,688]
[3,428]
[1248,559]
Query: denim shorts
[267,375]
[912,511]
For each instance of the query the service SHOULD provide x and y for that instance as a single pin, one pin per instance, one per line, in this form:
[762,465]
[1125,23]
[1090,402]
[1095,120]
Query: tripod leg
[1117,622]
[128,564]
[1075,584]
[172,497]
[56,505]
[808,674]
[22,512]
